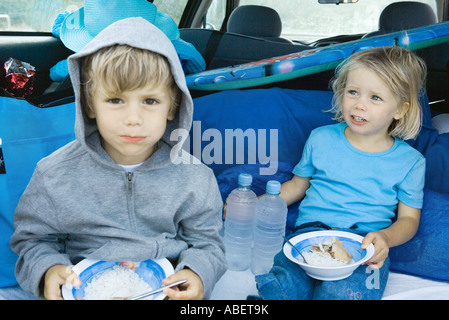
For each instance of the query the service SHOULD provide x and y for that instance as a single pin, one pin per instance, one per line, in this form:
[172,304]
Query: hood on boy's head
[138,33]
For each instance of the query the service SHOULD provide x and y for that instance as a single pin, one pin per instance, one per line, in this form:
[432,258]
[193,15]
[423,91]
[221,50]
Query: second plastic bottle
[239,224]
[271,218]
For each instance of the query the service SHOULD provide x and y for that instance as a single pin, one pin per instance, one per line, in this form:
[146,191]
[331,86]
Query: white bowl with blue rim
[351,241]
[151,271]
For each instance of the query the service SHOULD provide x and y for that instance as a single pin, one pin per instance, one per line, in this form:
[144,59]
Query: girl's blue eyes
[354,93]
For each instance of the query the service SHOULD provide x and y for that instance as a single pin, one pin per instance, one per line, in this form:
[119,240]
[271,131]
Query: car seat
[223,49]
[256,21]
[404,15]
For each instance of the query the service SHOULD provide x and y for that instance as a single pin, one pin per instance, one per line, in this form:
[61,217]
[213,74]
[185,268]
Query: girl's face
[132,122]
[369,106]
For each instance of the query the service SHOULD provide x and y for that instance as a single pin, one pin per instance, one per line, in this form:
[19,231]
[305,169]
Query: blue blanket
[28,134]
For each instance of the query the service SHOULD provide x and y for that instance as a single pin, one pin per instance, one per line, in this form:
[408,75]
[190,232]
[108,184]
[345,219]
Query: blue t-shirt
[349,186]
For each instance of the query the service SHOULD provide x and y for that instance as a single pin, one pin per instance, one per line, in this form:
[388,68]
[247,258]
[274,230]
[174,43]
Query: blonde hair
[120,68]
[401,70]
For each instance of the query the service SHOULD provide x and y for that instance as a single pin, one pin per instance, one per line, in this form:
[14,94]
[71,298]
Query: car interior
[219,48]
[252,31]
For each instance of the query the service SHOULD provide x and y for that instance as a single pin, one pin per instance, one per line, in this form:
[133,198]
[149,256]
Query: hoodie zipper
[130,199]
[129,176]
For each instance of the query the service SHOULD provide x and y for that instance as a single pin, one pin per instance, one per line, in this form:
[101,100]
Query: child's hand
[55,277]
[190,290]
[380,242]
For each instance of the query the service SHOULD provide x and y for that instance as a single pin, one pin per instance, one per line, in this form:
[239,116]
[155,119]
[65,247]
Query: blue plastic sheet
[27,134]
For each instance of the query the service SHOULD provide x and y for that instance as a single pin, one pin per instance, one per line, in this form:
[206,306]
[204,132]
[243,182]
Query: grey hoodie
[81,204]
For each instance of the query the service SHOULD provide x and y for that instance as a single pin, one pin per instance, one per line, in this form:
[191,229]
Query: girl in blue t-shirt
[356,174]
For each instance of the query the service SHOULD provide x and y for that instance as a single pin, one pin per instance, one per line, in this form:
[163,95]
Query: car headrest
[406,15]
[255,21]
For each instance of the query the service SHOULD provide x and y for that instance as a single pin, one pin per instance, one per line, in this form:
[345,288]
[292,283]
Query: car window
[307,20]
[33,15]
[39,15]
[215,15]
[174,8]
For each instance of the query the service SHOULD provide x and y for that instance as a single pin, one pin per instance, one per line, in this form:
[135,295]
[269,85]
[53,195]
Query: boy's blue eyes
[118,100]
[150,101]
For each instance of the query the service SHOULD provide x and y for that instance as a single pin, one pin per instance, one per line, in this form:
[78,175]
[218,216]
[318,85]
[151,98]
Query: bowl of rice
[105,280]
[331,254]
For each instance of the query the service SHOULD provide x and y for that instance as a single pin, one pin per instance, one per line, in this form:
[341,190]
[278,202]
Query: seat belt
[211,47]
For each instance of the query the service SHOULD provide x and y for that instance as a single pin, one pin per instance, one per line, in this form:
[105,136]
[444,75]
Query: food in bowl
[118,282]
[328,253]
[97,276]
[350,241]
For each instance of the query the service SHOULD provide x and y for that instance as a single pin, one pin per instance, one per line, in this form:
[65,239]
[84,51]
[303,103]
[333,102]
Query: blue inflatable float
[312,61]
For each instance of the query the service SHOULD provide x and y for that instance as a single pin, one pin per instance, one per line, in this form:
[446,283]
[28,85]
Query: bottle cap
[245,179]
[273,187]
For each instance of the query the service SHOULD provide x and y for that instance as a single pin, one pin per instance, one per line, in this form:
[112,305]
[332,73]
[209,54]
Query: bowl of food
[105,280]
[329,255]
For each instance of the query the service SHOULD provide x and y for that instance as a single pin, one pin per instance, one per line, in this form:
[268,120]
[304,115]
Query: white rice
[323,259]
[117,282]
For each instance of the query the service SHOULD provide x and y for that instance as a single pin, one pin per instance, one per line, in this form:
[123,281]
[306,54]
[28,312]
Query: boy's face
[132,122]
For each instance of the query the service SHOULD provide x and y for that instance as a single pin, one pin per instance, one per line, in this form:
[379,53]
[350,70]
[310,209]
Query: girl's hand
[190,290]
[55,277]
[380,242]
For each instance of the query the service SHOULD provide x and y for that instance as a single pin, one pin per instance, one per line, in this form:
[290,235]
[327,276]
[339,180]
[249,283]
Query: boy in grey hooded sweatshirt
[81,203]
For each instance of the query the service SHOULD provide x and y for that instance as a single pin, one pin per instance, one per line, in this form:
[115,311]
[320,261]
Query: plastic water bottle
[269,231]
[239,224]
